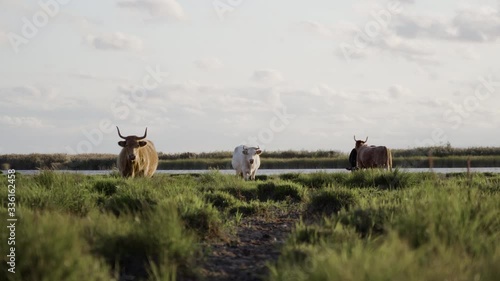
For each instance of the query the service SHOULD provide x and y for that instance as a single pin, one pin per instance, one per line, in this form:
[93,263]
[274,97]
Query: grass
[365,225]
[330,201]
[439,229]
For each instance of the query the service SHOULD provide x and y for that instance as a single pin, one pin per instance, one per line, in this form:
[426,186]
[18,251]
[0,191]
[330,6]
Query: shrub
[290,176]
[280,191]
[250,208]
[360,178]
[394,180]
[107,187]
[154,243]
[366,222]
[199,216]
[127,203]
[330,201]
[47,178]
[316,180]
[49,247]
[221,200]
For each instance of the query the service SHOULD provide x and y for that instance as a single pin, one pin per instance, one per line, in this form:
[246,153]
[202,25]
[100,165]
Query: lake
[277,171]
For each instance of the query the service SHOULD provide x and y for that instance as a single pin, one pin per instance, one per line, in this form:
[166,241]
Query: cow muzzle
[251,161]
[131,157]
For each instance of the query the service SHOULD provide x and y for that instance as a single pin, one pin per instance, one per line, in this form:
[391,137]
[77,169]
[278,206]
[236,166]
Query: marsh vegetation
[442,157]
[367,225]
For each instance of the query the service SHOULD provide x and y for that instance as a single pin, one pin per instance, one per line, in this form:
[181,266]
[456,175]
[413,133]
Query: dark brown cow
[138,157]
[372,156]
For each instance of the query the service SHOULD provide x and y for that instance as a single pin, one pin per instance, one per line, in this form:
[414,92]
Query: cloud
[476,24]
[397,91]
[410,35]
[317,28]
[209,63]
[157,9]
[468,53]
[181,104]
[3,37]
[29,97]
[29,92]
[412,26]
[114,41]
[387,41]
[412,50]
[322,90]
[13,121]
[267,76]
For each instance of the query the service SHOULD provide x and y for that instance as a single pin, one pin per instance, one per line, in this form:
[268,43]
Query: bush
[394,180]
[154,243]
[366,222]
[280,191]
[49,247]
[107,187]
[316,180]
[127,203]
[331,201]
[221,200]
[290,176]
[249,208]
[199,216]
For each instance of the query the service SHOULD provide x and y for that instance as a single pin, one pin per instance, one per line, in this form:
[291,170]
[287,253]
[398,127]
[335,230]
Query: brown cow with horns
[372,156]
[138,156]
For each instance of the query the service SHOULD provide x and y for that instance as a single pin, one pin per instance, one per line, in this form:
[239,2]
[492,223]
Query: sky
[209,75]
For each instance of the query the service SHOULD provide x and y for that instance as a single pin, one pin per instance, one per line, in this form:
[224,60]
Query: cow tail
[389,160]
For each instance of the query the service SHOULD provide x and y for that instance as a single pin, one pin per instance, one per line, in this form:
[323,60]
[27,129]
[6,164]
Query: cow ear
[142,143]
[122,143]
[258,152]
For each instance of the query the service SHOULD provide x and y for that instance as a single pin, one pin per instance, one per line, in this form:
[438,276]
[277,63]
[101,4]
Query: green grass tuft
[280,191]
[49,247]
[331,201]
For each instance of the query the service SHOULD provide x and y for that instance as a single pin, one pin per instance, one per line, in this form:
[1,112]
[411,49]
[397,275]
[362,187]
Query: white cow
[246,161]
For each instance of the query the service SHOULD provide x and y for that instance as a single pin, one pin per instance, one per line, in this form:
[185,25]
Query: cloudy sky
[207,75]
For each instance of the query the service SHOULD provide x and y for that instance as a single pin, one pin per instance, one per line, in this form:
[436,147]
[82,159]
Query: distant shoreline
[423,157]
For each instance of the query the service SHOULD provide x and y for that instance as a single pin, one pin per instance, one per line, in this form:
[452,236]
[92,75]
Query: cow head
[360,143]
[131,144]
[251,153]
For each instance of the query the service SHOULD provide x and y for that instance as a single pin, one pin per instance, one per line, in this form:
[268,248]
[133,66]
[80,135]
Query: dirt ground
[257,242]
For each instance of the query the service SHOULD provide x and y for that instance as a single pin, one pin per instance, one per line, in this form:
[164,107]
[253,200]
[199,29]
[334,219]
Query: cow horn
[366,139]
[355,138]
[145,134]
[120,134]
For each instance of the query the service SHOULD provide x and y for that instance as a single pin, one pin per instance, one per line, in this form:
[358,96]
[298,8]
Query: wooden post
[431,161]
[469,175]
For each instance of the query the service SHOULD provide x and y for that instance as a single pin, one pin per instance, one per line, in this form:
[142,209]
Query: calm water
[275,171]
